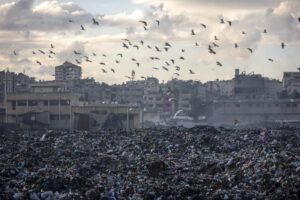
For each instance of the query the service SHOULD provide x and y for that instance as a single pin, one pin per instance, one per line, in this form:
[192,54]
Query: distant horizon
[191,40]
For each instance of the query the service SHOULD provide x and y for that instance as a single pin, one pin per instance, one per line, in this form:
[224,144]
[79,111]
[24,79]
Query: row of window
[276,105]
[35,103]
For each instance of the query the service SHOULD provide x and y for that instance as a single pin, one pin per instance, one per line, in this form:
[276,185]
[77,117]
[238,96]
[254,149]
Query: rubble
[155,163]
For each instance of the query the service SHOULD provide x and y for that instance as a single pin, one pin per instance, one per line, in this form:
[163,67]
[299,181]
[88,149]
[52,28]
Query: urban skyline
[56,26]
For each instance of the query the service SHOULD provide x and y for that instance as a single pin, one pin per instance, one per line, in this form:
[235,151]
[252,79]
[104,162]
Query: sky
[27,26]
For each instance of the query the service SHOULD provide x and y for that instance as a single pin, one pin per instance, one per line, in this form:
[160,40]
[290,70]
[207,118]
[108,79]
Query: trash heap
[173,163]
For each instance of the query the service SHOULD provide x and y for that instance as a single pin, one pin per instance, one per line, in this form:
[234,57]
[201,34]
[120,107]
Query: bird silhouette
[265,30]
[251,51]
[181,58]
[173,61]
[193,32]
[125,45]
[215,45]
[176,75]
[49,56]
[157,49]
[149,47]
[76,53]
[133,59]
[282,45]
[102,63]
[177,68]
[41,51]
[235,45]
[52,46]
[299,19]
[15,53]
[218,63]
[136,46]
[104,71]
[168,64]
[155,68]
[216,38]
[112,70]
[271,60]
[95,22]
[191,72]
[78,62]
[222,21]
[212,51]
[167,44]
[196,44]
[165,68]
[229,23]
[33,52]
[145,28]
[117,61]
[243,32]
[51,52]
[166,49]
[158,22]
[137,64]
[204,26]
[94,54]
[144,22]
[82,28]
[104,55]
[142,42]
[38,62]
[119,54]
[71,21]
[182,50]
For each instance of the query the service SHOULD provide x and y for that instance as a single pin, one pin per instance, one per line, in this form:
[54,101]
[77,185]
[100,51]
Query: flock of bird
[126,44]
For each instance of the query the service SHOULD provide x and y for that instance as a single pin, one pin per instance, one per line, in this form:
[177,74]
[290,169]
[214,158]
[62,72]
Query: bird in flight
[215,45]
[282,45]
[112,70]
[78,62]
[265,30]
[196,44]
[251,51]
[204,26]
[136,46]
[173,61]
[142,42]
[157,21]
[52,46]
[119,54]
[165,68]
[193,32]
[271,60]
[144,22]
[38,62]
[71,21]
[177,68]
[176,75]
[76,53]
[157,49]
[125,45]
[137,64]
[82,28]
[222,21]
[218,63]
[167,44]
[41,51]
[104,71]
[133,59]
[95,22]
[243,32]
[235,45]
[155,68]
[216,38]
[15,53]
[191,72]
[33,52]
[229,22]
[51,52]
[181,58]
[102,63]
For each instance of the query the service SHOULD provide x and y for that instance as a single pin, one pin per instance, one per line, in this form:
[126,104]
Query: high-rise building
[67,72]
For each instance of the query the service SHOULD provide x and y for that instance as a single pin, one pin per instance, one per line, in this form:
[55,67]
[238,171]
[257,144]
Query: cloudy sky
[27,26]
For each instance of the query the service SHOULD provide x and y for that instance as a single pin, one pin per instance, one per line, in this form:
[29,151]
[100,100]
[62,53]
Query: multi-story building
[291,81]
[67,72]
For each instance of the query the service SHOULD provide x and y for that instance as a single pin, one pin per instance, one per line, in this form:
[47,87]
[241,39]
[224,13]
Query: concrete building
[67,72]
[250,111]
[291,81]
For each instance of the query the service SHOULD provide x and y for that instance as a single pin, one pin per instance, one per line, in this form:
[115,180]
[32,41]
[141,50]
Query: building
[67,72]
[255,111]
[291,81]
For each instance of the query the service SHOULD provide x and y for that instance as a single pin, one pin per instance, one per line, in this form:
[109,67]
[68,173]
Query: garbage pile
[174,163]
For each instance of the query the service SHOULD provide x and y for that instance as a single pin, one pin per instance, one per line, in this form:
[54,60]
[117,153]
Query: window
[295,105]
[54,117]
[22,103]
[46,103]
[65,117]
[158,105]
[288,105]
[54,102]
[32,103]
[158,98]
[65,102]
[13,105]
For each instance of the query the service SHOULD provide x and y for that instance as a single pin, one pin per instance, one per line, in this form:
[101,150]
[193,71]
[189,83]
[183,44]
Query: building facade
[67,72]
